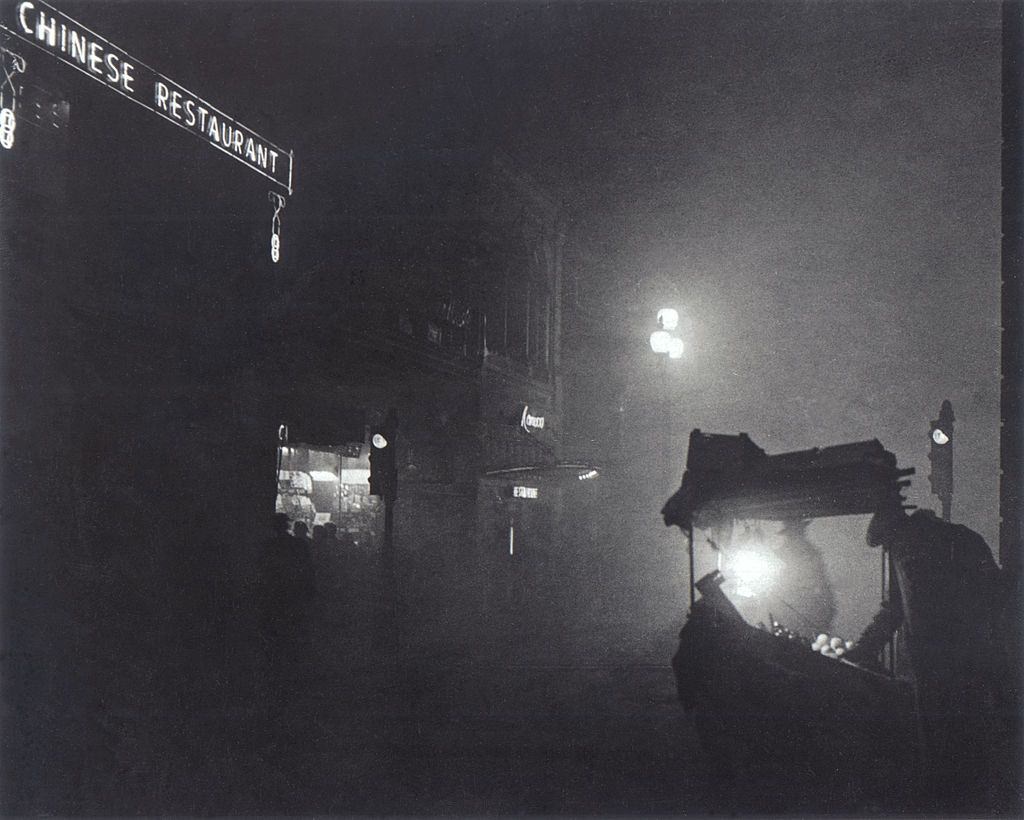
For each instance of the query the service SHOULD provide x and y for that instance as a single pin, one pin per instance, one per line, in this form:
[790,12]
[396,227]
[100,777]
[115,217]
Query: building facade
[154,357]
[456,328]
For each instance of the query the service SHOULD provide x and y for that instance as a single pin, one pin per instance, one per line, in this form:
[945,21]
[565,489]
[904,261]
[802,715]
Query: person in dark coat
[300,529]
[319,533]
[286,590]
[803,590]
[945,598]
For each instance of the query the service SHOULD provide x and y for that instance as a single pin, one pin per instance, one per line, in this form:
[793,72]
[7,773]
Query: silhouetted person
[301,531]
[318,535]
[945,595]
[342,542]
[338,547]
[352,582]
[803,587]
[286,591]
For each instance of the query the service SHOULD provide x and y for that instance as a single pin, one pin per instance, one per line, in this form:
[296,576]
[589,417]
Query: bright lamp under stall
[752,571]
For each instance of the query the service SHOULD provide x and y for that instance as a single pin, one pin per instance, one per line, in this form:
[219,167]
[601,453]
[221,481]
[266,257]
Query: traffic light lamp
[383,461]
[941,454]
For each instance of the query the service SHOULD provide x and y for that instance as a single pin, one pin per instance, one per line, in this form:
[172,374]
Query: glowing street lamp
[668,318]
[661,340]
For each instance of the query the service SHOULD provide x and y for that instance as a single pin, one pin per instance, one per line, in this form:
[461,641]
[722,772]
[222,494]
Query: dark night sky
[819,180]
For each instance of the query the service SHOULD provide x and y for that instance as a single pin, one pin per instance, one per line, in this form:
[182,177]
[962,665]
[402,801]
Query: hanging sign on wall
[52,31]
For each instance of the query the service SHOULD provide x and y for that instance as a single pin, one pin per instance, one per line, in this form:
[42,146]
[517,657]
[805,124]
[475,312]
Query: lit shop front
[328,485]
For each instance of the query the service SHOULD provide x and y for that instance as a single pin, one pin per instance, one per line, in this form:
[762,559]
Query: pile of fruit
[831,647]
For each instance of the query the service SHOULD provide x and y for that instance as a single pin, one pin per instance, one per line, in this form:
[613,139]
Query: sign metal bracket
[278,202]
[13,64]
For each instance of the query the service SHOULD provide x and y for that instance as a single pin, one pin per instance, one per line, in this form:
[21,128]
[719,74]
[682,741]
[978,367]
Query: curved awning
[567,472]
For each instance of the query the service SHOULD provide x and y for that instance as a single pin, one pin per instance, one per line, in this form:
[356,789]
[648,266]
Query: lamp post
[669,346]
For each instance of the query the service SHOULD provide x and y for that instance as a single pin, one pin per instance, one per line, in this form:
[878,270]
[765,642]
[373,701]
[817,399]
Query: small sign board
[531,420]
[519,491]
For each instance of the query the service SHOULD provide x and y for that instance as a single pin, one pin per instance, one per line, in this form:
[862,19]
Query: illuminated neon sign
[530,422]
[41,25]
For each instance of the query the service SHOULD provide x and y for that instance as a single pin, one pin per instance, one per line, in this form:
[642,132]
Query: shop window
[321,486]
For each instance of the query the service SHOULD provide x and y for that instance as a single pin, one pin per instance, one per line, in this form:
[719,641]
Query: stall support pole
[689,549]
[887,601]
[892,641]
[885,564]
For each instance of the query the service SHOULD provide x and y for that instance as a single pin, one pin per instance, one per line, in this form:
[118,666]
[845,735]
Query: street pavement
[186,717]
[442,732]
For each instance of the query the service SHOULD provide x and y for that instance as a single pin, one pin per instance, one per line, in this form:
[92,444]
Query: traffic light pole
[941,457]
[388,624]
[384,484]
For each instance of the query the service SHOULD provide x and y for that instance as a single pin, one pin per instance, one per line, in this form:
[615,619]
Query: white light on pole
[660,341]
[668,318]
